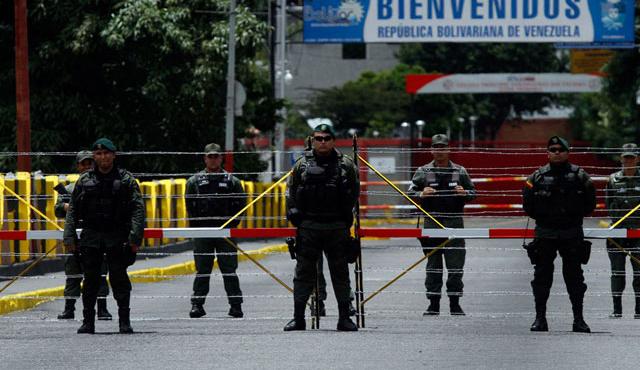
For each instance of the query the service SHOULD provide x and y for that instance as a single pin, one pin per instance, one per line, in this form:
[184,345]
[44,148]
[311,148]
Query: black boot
[434,307]
[124,321]
[235,310]
[88,322]
[344,321]
[296,324]
[352,309]
[579,326]
[69,310]
[617,308]
[540,323]
[103,313]
[196,311]
[454,306]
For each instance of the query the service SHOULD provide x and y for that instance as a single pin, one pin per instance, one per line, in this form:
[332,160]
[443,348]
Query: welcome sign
[533,21]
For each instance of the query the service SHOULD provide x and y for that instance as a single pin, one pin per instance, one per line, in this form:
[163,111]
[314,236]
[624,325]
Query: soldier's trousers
[205,252]
[92,261]
[618,261]
[310,245]
[547,249]
[454,254]
[322,283]
[73,271]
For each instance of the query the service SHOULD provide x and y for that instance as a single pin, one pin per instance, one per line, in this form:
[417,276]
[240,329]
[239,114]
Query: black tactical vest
[559,197]
[444,180]
[103,202]
[324,192]
[214,198]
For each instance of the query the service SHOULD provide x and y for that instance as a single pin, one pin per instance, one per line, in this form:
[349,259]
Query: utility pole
[281,29]
[23,119]
[231,86]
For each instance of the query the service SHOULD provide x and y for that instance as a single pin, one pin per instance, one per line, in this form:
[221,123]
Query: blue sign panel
[608,22]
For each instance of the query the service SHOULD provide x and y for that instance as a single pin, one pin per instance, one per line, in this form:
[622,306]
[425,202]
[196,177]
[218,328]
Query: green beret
[557,140]
[104,143]
[327,129]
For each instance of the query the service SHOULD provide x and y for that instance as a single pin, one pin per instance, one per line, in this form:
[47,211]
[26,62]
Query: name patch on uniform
[453,184]
[433,184]
[203,182]
[222,184]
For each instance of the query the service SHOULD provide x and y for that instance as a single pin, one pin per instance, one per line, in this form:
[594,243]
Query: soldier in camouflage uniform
[321,194]
[442,188]
[107,205]
[72,266]
[622,195]
[213,196]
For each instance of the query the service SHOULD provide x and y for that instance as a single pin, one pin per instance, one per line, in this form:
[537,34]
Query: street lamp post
[473,120]
[461,121]
[420,123]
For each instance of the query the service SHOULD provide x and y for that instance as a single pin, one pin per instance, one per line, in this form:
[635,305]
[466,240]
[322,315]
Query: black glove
[291,244]
[128,253]
[294,216]
[532,250]
[353,250]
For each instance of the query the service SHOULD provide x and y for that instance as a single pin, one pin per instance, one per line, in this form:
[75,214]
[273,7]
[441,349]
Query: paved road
[494,334]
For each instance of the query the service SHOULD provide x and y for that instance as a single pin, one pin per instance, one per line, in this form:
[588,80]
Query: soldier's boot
[637,313]
[540,323]
[236,310]
[124,321]
[196,311]
[617,308]
[454,306]
[103,313]
[69,310]
[298,322]
[88,323]
[579,325]
[344,321]
[434,307]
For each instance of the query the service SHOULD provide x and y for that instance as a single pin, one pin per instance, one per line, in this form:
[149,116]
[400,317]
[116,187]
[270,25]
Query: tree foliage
[612,117]
[150,74]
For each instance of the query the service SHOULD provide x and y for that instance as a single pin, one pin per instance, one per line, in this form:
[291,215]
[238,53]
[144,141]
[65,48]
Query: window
[354,51]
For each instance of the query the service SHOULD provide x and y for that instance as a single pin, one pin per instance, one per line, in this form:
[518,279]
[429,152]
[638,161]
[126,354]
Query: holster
[533,250]
[291,245]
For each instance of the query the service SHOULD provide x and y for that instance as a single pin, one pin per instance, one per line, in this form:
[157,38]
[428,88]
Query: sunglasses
[557,150]
[322,138]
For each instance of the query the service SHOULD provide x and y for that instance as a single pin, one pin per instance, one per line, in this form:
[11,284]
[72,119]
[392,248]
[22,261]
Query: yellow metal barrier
[164,201]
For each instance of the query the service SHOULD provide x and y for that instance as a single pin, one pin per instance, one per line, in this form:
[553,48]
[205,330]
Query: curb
[18,302]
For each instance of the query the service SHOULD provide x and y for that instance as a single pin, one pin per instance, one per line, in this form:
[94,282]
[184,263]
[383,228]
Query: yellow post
[50,201]
[259,206]
[164,206]
[268,209]
[179,189]
[23,188]
[282,212]
[149,192]
[249,189]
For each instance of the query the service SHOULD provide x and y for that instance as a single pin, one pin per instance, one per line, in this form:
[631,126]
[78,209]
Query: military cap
[629,150]
[327,129]
[557,140]
[212,148]
[439,139]
[103,143]
[82,155]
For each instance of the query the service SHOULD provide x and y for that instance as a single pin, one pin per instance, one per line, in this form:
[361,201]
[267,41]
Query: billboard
[502,83]
[534,21]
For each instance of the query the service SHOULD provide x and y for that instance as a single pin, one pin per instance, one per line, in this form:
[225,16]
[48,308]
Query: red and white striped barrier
[467,206]
[207,232]
[474,180]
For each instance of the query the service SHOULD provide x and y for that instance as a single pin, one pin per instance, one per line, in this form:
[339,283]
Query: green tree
[151,74]
[612,117]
